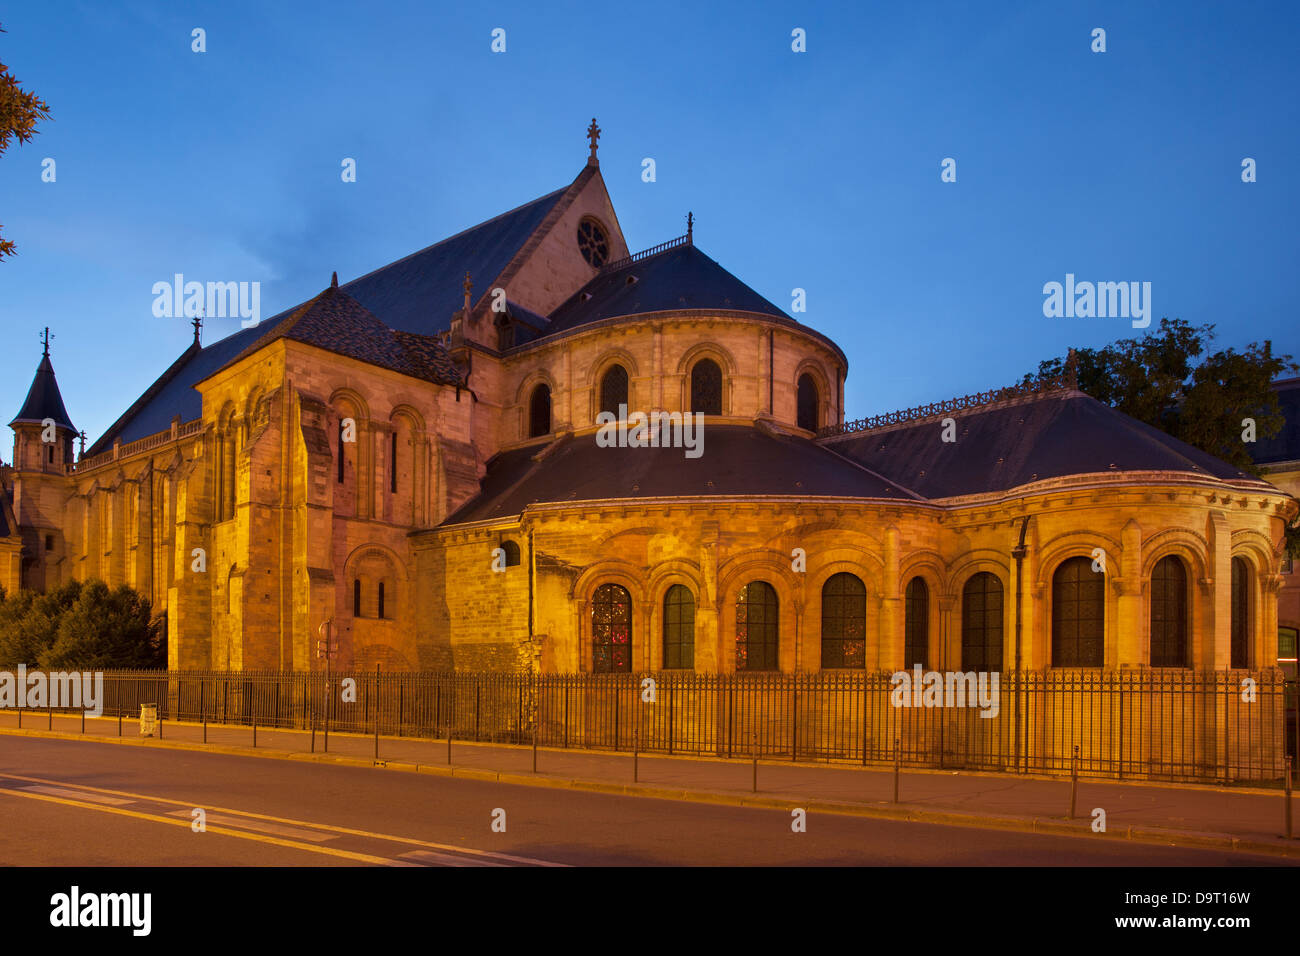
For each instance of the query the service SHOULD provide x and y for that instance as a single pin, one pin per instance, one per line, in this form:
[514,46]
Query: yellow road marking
[241,834]
[288,820]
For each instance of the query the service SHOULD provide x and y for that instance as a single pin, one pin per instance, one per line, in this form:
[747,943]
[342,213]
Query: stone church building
[414,457]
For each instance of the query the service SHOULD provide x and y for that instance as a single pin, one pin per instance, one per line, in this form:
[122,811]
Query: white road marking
[430,858]
[243,823]
[76,795]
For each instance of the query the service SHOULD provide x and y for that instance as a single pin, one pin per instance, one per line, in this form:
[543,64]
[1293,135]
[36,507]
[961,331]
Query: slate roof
[420,292]
[43,398]
[736,460]
[336,322]
[1285,445]
[1047,436]
[416,294]
[682,277]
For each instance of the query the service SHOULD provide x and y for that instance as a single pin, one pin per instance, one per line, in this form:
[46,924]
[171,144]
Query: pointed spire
[593,134]
[43,398]
[469,286]
[690,228]
[334,281]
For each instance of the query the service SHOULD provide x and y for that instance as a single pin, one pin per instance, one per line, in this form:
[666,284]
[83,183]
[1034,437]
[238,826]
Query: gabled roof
[681,277]
[420,292]
[336,322]
[416,294]
[1049,435]
[1285,445]
[736,460]
[43,399]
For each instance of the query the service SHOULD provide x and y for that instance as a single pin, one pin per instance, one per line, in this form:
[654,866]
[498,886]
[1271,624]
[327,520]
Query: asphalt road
[87,804]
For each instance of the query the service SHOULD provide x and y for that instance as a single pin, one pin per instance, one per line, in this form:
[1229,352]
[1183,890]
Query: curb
[1056,826]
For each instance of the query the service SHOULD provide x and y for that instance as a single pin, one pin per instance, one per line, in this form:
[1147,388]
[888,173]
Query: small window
[392,468]
[613,389]
[706,387]
[356,597]
[49,453]
[340,451]
[807,403]
[592,243]
[49,542]
[511,551]
[381,600]
[539,412]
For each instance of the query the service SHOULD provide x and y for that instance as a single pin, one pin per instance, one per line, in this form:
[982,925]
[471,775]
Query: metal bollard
[83,720]
[636,755]
[534,745]
[376,713]
[1288,796]
[1074,780]
[754,750]
[898,764]
[449,743]
[254,727]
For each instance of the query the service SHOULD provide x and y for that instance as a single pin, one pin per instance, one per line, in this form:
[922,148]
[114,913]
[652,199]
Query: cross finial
[690,225]
[197,322]
[82,435]
[593,134]
[45,340]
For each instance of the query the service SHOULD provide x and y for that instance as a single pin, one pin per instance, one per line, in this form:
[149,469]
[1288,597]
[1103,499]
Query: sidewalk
[1184,814]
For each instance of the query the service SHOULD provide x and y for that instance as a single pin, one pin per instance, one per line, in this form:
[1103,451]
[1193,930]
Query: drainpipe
[1018,552]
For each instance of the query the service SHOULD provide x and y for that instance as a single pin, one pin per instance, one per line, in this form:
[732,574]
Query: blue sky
[816,170]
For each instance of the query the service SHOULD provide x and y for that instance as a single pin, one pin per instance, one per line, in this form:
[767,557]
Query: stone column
[1126,649]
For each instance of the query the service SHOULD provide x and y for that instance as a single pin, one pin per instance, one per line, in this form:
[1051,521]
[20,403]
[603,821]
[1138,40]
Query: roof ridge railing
[120,451]
[617,264]
[1064,381]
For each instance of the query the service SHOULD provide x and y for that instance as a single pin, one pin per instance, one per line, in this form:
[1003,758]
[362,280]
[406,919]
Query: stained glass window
[756,627]
[1078,614]
[679,628]
[611,630]
[916,623]
[1169,613]
[613,389]
[981,623]
[844,621]
[592,243]
[706,387]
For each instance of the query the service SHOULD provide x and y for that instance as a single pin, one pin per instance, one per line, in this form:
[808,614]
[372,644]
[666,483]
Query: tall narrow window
[706,387]
[679,628]
[844,621]
[808,402]
[392,466]
[611,630]
[539,412]
[981,623]
[381,600]
[356,597]
[916,623]
[340,451]
[1078,614]
[1169,613]
[1240,613]
[613,389]
[757,620]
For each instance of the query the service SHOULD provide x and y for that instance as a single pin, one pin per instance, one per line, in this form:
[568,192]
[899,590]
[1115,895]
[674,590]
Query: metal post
[49,709]
[636,756]
[329,696]
[898,764]
[1074,780]
[754,750]
[376,712]
[254,713]
[83,720]
[203,708]
[1288,796]
[534,743]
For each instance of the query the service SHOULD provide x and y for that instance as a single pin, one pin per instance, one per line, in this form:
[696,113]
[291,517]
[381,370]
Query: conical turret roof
[43,399]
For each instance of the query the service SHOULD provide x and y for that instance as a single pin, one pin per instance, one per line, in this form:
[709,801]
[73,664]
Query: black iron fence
[1172,725]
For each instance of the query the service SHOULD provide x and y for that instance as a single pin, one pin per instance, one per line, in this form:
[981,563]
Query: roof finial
[334,281]
[593,134]
[1072,371]
[197,322]
[469,285]
[690,227]
[82,435]
[45,340]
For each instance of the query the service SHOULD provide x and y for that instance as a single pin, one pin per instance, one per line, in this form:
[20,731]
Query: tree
[1163,380]
[84,626]
[19,112]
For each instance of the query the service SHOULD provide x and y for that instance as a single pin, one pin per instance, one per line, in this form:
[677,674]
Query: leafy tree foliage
[19,112]
[85,626]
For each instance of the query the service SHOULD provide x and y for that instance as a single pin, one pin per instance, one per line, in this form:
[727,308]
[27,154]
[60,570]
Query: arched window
[844,621]
[756,627]
[1169,613]
[1240,613]
[679,628]
[505,333]
[916,623]
[539,412]
[1078,614]
[808,402]
[380,614]
[340,455]
[510,553]
[981,623]
[613,389]
[611,630]
[706,387]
